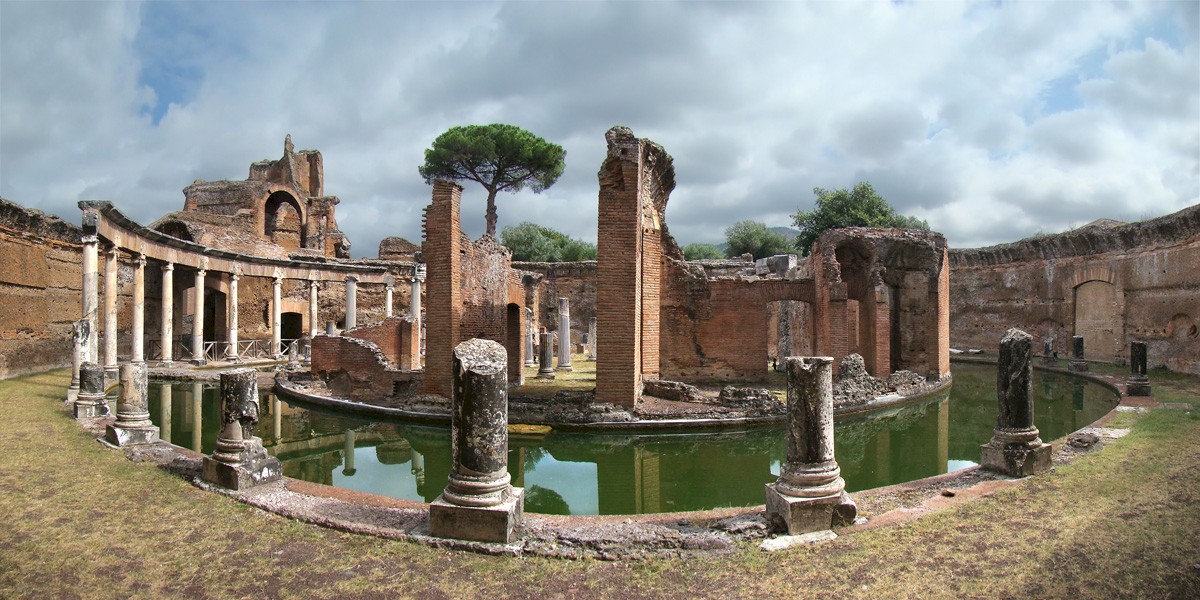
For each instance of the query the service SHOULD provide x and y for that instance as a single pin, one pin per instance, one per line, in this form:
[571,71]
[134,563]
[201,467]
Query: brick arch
[1091,273]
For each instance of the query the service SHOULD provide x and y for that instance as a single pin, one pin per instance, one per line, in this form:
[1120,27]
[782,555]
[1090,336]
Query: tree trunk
[491,212]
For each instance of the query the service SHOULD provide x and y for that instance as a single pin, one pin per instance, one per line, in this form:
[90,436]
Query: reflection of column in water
[1047,389]
[883,454]
[516,466]
[649,496]
[164,420]
[1077,394]
[348,454]
[943,436]
[276,418]
[418,467]
[197,408]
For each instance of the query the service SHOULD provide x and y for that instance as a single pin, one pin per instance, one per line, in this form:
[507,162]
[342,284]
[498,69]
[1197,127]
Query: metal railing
[218,350]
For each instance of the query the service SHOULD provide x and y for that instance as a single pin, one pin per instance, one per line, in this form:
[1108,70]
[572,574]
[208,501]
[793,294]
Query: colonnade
[92,309]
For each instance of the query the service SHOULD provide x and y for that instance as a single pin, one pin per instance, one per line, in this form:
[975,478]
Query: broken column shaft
[133,424]
[478,503]
[810,492]
[240,461]
[90,401]
[546,356]
[1015,448]
[1138,384]
[1077,361]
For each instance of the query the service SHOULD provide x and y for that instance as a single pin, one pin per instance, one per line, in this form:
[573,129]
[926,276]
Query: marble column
[530,360]
[479,502]
[810,494]
[79,337]
[164,408]
[90,402]
[91,299]
[351,302]
[110,313]
[133,424]
[388,287]
[137,344]
[198,319]
[546,356]
[276,318]
[168,313]
[592,340]
[1015,448]
[564,334]
[1138,384]
[313,288]
[348,454]
[1078,362]
[231,312]
[239,461]
[276,419]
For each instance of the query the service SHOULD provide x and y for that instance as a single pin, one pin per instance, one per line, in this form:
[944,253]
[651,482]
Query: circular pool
[610,473]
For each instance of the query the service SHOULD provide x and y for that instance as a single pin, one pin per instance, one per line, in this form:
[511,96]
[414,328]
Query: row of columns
[89,349]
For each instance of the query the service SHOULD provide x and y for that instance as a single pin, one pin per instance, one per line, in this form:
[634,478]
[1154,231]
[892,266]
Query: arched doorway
[514,333]
[1096,319]
[283,221]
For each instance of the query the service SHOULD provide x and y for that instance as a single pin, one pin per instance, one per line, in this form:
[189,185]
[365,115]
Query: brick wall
[395,340]
[355,368]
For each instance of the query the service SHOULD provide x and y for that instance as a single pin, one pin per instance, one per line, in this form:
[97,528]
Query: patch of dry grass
[79,520]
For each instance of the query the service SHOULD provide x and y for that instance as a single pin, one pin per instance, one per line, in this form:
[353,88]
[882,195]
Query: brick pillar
[942,302]
[876,323]
[443,289]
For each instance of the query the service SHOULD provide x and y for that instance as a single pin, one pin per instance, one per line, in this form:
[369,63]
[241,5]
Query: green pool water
[588,474]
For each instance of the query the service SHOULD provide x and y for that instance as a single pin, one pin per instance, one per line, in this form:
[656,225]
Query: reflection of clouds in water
[575,483]
[372,476]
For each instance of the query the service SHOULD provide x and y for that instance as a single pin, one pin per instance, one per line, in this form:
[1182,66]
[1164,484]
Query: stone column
[197,416]
[168,312]
[418,468]
[133,424]
[110,313]
[164,409]
[592,340]
[414,299]
[276,419]
[388,286]
[198,319]
[231,310]
[1015,448]
[240,461]
[478,503]
[79,338]
[137,344]
[276,317]
[1138,384]
[529,341]
[91,298]
[351,302]
[91,402]
[1078,363]
[546,356]
[331,328]
[564,334]
[810,494]
[313,288]
[348,454]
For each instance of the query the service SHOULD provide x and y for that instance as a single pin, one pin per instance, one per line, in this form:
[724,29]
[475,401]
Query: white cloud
[992,121]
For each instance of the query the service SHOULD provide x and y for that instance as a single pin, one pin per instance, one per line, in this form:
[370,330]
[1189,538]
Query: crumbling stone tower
[635,182]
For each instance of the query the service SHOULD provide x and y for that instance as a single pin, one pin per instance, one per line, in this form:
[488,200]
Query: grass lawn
[79,520]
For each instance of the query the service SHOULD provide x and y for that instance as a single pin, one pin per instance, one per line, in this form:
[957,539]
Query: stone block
[1015,460]
[481,524]
[803,515]
[130,436]
[1080,366]
[255,468]
[1137,388]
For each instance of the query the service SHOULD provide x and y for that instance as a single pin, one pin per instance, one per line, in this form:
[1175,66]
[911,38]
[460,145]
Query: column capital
[277,280]
[112,250]
[91,239]
[201,272]
[350,278]
[237,271]
[140,261]
[234,275]
[168,266]
[314,284]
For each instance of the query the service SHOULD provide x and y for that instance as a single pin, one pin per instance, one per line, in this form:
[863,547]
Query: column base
[130,436]
[591,358]
[545,375]
[72,394]
[1016,459]
[255,468]
[566,368]
[804,515]
[199,362]
[1137,387]
[531,363]
[1078,365]
[481,524]
[85,409]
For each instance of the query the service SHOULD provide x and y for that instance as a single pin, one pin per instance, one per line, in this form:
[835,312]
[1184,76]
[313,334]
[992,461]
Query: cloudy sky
[992,120]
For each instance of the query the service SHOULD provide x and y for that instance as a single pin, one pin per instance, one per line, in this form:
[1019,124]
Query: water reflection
[569,473]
